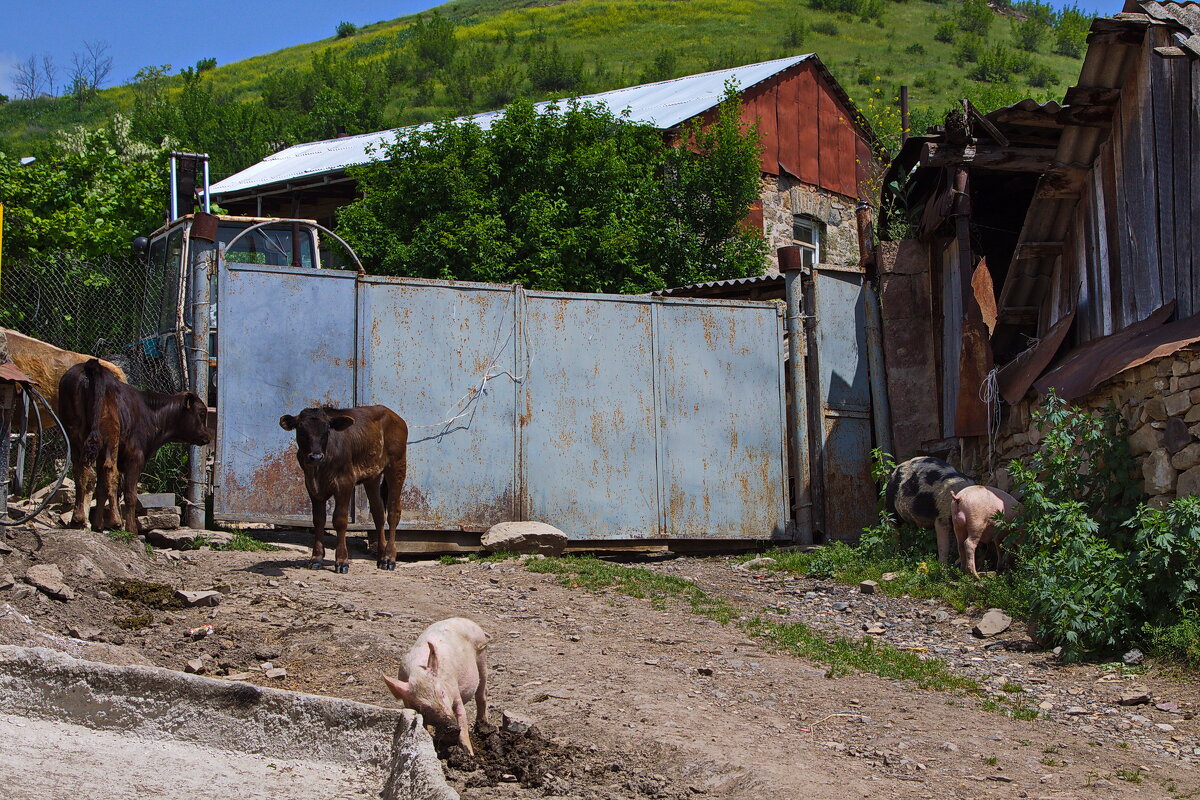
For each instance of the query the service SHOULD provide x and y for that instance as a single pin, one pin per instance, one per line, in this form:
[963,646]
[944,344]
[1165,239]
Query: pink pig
[441,672]
[973,514]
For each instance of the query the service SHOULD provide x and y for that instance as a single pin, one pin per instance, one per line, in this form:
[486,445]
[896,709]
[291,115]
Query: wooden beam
[1014,159]
[1027,250]
[1061,182]
[1091,96]
[1019,315]
[1086,116]
[1026,119]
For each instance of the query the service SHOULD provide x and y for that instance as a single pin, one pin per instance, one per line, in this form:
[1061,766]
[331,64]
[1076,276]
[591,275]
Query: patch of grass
[241,541]
[594,574]
[1053,762]
[1012,688]
[1130,774]
[125,537]
[1123,745]
[134,622]
[144,593]
[991,761]
[1010,708]
[481,558]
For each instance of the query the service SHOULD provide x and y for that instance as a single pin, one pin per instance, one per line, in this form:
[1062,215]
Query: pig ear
[341,423]
[287,422]
[432,666]
[401,690]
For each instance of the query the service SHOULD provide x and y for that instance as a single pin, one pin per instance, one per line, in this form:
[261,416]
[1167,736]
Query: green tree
[975,16]
[570,198]
[1070,32]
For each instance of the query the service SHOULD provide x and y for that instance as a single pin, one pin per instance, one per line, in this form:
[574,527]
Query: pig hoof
[316,563]
[342,569]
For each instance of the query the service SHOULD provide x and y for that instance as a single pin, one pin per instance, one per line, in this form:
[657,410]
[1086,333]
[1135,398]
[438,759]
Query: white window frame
[810,250]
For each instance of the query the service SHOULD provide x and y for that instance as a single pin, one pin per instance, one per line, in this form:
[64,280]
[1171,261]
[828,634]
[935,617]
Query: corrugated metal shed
[664,104]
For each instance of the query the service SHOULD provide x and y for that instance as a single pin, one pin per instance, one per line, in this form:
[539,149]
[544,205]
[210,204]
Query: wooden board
[1162,173]
[1182,147]
[1194,182]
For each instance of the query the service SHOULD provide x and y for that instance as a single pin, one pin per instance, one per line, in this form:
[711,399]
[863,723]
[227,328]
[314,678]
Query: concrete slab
[176,733]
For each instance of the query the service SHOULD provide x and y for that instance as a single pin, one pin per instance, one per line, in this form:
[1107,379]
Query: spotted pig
[920,491]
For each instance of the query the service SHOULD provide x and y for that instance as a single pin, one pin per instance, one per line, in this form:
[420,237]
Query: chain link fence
[110,307]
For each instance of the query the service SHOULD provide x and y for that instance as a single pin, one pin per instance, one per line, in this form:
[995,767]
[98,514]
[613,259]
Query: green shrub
[346,29]
[915,49]
[552,71]
[945,32]
[998,64]
[975,16]
[796,32]
[1178,642]
[1030,33]
[1041,76]
[1070,32]
[970,50]
[826,27]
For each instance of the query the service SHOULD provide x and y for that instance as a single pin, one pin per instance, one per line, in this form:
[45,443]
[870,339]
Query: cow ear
[287,422]
[432,666]
[195,403]
[341,423]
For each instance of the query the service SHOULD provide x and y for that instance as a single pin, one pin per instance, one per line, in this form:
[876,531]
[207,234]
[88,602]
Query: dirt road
[635,698]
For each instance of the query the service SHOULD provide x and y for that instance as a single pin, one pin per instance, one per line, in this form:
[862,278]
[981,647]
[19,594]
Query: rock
[1188,457]
[868,587]
[942,616]
[1134,696]
[87,634]
[707,671]
[1156,408]
[1170,708]
[1157,472]
[160,520]
[1145,439]
[949,747]
[1076,711]
[1162,726]
[874,630]
[1176,435]
[1134,657]
[49,578]
[193,599]
[994,622]
[84,567]
[1189,482]
[514,723]
[186,538]
[524,537]
[840,606]
[1176,404]
[888,576]
[239,676]
[7,581]
[276,673]
[758,563]
[195,666]
[161,501]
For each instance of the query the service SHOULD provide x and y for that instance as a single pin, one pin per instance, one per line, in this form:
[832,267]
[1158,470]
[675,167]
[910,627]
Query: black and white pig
[921,491]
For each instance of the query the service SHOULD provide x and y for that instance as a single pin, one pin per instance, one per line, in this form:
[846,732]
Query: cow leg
[107,480]
[318,514]
[375,500]
[395,479]
[341,520]
[129,480]
[84,475]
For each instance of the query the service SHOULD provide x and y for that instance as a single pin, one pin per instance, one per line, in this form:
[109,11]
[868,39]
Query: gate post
[791,265]
[204,248]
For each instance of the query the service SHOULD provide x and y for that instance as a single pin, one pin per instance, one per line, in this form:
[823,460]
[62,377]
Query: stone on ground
[192,599]
[758,563]
[515,723]
[1134,696]
[49,578]
[868,587]
[524,537]
[157,501]
[994,623]
[164,519]
[186,538]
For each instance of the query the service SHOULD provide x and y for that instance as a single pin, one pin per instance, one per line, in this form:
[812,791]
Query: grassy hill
[407,71]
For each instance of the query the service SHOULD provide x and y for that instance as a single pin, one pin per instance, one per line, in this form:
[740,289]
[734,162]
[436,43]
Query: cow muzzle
[316,456]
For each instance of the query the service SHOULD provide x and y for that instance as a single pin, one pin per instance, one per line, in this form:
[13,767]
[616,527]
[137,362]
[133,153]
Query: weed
[1052,762]
[125,537]
[144,593]
[1130,774]
[991,761]
[1123,745]
[1024,742]
[1012,688]
[242,542]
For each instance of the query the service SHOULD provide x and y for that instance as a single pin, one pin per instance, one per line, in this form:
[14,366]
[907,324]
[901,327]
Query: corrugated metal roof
[663,104]
[731,283]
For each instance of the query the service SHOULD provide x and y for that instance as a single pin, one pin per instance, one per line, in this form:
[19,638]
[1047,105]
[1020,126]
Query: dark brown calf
[339,448]
[117,428]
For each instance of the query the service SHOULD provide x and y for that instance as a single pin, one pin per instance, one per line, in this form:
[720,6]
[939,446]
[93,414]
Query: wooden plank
[827,131]
[1026,250]
[1139,196]
[808,142]
[787,116]
[1015,159]
[1103,287]
[1112,229]
[1151,267]
[1091,96]
[1182,146]
[951,335]
[1160,76]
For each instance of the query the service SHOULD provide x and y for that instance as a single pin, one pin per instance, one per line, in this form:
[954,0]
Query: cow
[117,428]
[920,491]
[46,364]
[339,448]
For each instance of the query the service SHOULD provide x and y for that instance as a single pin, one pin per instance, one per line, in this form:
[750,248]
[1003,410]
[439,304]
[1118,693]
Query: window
[806,232]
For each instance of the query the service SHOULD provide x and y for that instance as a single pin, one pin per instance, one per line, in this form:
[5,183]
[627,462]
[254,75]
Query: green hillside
[476,55]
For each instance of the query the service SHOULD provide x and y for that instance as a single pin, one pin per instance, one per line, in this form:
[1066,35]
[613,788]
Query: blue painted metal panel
[845,403]
[426,348]
[588,420]
[725,470]
[285,342]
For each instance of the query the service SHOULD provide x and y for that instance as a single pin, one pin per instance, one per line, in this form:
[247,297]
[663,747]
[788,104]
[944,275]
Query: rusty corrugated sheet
[1015,377]
[10,372]
[1100,359]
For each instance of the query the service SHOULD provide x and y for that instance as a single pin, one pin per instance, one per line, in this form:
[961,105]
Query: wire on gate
[66,464]
[989,393]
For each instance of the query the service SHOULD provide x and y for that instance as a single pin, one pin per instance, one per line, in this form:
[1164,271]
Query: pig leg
[341,520]
[481,709]
[942,529]
[969,544]
[464,729]
[318,514]
[375,500]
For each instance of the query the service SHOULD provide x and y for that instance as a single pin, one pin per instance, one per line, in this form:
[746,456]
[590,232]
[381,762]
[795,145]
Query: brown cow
[339,448]
[46,364]
[119,427]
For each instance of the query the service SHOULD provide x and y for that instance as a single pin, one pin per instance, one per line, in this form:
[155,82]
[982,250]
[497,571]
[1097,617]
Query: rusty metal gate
[610,417]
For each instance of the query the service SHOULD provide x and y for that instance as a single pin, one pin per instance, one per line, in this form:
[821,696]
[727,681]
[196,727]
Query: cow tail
[94,373]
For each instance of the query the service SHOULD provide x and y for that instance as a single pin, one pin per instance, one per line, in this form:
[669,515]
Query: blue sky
[179,34]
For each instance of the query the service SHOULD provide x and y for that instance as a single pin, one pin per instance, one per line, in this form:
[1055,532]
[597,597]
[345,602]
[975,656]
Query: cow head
[191,424]
[312,427]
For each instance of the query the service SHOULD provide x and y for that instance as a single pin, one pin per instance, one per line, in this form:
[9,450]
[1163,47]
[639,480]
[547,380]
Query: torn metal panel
[985,294]
[1018,375]
[1095,362]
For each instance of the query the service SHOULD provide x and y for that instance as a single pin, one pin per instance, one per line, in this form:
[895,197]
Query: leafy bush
[970,50]
[797,31]
[998,64]
[433,40]
[552,71]
[975,16]
[1030,33]
[915,49]
[1179,641]
[1070,32]
[945,32]
[346,29]
[826,27]
[1041,76]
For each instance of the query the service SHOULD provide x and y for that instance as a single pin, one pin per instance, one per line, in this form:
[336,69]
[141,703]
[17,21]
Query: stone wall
[784,197]
[1160,403]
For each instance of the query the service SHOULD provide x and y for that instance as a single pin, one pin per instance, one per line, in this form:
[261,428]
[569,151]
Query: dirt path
[639,701]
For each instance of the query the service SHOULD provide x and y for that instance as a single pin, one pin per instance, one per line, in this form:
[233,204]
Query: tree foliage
[89,194]
[570,198]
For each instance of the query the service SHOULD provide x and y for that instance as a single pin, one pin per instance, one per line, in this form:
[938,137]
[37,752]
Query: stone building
[818,154]
[1053,247]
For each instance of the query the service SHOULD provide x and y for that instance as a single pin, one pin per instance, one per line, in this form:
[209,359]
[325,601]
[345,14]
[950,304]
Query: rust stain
[276,486]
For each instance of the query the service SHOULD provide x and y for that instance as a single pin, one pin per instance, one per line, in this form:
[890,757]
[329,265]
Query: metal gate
[611,417]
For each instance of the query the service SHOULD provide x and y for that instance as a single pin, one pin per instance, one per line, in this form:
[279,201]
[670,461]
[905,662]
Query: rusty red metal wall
[808,132]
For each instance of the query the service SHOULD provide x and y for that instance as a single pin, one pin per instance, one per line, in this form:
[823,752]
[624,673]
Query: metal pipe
[207,202]
[203,267]
[173,205]
[904,132]
[881,412]
[7,393]
[862,217]
[791,265]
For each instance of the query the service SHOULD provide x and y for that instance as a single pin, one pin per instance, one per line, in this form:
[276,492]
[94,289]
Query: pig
[441,672]
[974,513]
[919,491]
